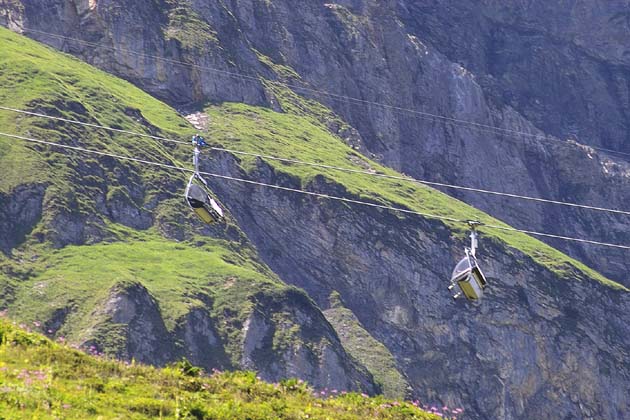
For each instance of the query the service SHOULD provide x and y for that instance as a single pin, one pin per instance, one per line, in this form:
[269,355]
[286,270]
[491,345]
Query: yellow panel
[204,215]
[468,289]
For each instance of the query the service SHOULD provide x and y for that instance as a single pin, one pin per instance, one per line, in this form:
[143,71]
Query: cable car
[196,196]
[202,204]
[467,275]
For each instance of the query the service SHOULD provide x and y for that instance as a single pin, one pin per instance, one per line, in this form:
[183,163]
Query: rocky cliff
[546,340]
[544,77]
[552,337]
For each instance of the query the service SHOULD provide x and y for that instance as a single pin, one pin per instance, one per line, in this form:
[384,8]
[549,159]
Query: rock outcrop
[20,211]
[133,318]
[284,336]
[301,347]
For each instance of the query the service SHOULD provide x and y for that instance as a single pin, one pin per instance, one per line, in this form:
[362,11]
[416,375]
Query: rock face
[135,316]
[284,336]
[19,213]
[538,343]
[538,73]
[307,353]
[563,65]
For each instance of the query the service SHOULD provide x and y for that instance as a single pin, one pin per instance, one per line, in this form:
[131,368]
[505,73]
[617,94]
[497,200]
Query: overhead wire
[335,96]
[424,182]
[310,193]
[331,167]
[87,124]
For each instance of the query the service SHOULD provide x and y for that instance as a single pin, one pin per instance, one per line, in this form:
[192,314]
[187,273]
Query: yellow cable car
[202,204]
[467,275]
[196,196]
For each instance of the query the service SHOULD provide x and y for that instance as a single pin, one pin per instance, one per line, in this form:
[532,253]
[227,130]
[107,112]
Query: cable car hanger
[197,197]
[467,275]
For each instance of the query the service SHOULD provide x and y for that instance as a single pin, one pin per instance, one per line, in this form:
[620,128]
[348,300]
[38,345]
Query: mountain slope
[142,296]
[499,96]
[517,350]
[519,345]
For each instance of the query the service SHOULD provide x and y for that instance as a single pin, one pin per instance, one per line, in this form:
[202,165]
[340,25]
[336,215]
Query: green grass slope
[34,76]
[180,277]
[40,379]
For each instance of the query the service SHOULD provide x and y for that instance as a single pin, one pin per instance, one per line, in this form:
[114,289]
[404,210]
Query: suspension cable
[310,193]
[348,99]
[331,167]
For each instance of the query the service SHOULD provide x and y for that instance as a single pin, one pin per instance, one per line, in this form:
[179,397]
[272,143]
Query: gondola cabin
[203,205]
[468,276]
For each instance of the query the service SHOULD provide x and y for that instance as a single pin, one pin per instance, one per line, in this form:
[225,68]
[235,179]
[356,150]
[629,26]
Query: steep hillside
[149,282]
[552,79]
[107,254]
[518,350]
[45,380]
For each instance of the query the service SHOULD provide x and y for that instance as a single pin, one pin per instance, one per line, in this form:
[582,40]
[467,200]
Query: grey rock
[135,316]
[287,336]
[202,344]
[538,342]
[20,211]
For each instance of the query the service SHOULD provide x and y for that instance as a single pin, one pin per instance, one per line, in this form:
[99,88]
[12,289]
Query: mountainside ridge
[91,294]
[377,252]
